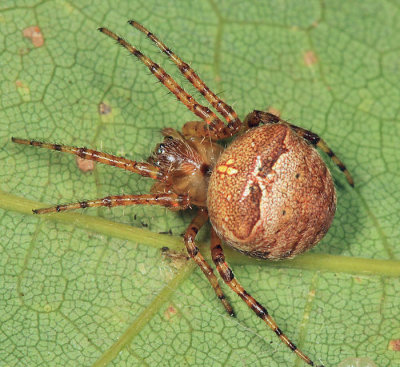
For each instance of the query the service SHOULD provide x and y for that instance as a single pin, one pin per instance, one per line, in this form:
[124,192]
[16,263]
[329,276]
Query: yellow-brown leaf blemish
[23,90]
[85,165]
[310,58]
[104,109]
[394,345]
[35,35]
[170,312]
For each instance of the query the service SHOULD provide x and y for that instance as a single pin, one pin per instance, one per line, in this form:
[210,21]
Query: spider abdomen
[270,194]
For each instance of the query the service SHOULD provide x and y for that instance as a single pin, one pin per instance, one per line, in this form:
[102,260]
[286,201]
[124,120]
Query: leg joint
[192,250]
[227,275]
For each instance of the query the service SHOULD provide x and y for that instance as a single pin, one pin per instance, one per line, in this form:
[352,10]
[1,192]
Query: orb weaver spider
[268,194]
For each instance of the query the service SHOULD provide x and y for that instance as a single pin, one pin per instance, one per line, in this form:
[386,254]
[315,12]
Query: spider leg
[200,130]
[171,201]
[142,168]
[255,118]
[224,109]
[193,128]
[228,277]
[214,126]
[199,220]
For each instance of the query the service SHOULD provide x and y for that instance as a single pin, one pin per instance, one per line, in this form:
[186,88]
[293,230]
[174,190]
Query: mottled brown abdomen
[270,194]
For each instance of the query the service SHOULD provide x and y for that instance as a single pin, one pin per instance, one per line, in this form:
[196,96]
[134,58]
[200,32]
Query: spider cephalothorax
[269,194]
[185,165]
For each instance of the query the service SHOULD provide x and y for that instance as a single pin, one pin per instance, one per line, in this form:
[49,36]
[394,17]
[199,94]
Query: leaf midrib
[308,261]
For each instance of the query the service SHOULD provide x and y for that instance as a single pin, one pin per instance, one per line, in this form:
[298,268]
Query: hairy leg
[228,277]
[142,168]
[213,126]
[194,253]
[171,201]
[224,109]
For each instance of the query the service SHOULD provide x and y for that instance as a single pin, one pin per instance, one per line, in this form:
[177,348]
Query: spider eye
[161,149]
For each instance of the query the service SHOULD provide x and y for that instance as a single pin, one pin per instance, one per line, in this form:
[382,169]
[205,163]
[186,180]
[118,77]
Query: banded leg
[224,109]
[214,126]
[172,201]
[255,118]
[191,232]
[200,130]
[228,277]
[142,168]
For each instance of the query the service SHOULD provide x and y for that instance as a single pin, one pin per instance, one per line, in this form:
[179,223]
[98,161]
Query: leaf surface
[92,288]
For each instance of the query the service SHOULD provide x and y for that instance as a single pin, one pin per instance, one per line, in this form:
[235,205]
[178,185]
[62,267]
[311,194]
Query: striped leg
[142,168]
[255,118]
[228,277]
[171,201]
[214,126]
[199,220]
[224,109]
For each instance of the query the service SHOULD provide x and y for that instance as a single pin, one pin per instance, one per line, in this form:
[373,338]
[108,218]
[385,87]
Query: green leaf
[93,288]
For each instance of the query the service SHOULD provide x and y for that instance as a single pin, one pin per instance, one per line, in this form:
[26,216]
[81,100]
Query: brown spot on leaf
[170,312]
[394,345]
[35,35]
[104,109]
[85,165]
[310,58]
[23,90]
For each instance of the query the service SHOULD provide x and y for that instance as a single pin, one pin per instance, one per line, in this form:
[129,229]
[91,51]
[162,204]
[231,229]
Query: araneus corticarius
[268,194]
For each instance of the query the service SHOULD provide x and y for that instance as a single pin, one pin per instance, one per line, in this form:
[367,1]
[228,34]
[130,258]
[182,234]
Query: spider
[268,194]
